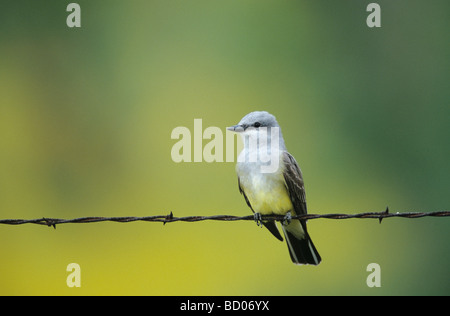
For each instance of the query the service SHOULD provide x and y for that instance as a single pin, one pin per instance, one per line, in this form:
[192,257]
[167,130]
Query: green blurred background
[85,122]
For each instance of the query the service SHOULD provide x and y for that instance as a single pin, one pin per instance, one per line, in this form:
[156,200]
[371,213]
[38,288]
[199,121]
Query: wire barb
[228,218]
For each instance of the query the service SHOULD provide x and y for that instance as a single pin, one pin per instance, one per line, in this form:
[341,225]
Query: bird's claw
[258,219]
[287,219]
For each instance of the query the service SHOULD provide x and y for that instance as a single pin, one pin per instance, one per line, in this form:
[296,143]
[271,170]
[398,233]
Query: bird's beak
[235,128]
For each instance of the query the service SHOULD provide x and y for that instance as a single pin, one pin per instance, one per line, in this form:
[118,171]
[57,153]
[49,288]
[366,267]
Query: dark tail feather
[302,251]
[273,229]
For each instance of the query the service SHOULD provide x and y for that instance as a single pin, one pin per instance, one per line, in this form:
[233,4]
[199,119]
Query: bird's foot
[287,219]
[258,219]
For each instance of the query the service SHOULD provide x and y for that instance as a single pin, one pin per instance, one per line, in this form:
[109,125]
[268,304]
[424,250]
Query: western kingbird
[279,191]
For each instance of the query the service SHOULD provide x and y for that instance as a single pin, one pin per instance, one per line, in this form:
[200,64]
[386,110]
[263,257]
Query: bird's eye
[257,124]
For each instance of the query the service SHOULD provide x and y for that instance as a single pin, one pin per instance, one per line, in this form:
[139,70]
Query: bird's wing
[294,183]
[301,247]
[245,196]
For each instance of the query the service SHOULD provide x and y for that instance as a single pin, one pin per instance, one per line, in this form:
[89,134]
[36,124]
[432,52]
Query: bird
[271,182]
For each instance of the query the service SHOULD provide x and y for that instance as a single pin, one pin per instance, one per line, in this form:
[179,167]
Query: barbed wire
[170,218]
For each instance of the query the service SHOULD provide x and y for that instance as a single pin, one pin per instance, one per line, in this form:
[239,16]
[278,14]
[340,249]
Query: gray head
[255,119]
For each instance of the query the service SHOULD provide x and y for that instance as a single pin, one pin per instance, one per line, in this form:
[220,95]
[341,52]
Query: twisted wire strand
[170,218]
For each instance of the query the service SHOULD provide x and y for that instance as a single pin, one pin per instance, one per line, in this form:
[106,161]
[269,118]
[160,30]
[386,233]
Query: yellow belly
[268,195]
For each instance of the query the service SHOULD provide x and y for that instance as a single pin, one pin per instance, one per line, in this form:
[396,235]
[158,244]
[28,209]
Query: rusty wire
[170,218]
